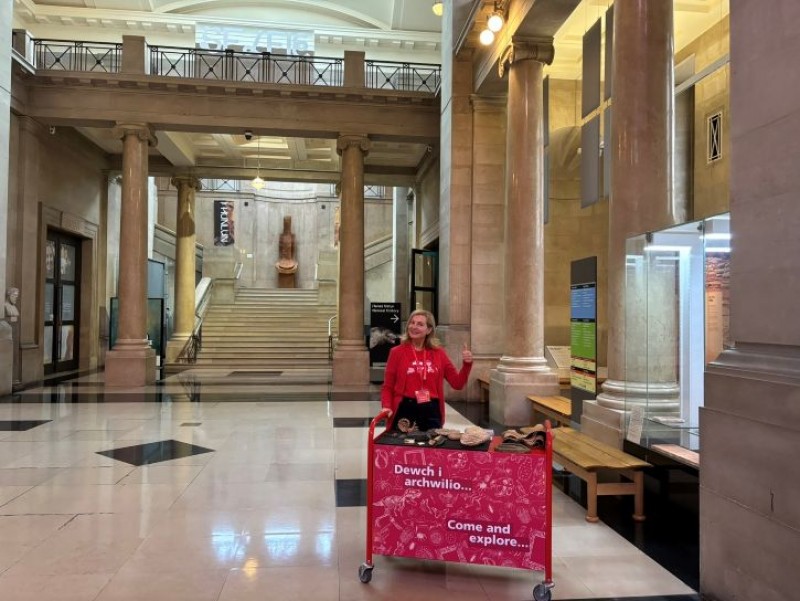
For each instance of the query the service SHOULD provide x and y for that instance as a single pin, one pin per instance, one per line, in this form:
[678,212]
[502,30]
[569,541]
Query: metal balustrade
[230,65]
[221,185]
[65,55]
[233,65]
[406,77]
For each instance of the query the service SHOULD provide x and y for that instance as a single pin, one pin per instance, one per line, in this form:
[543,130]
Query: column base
[350,366]
[175,345]
[508,392]
[287,280]
[657,397]
[130,365]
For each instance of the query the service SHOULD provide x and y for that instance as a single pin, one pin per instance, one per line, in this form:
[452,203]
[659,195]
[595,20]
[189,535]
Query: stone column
[6,345]
[132,361]
[185,268]
[641,201]
[400,251]
[523,369]
[351,358]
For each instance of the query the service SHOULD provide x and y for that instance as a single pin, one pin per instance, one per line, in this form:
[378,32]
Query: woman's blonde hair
[430,339]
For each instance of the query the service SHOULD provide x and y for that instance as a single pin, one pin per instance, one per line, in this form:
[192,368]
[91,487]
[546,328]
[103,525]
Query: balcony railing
[64,55]
[406,77]
[230,65]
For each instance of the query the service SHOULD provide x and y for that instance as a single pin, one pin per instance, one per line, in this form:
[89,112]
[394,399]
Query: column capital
[344,141]
[142,130]
[186,180]
[522,48]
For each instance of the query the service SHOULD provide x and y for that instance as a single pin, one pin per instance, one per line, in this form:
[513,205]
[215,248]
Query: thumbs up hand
[466,354]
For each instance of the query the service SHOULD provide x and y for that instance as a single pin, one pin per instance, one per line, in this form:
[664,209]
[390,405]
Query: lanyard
[423,373]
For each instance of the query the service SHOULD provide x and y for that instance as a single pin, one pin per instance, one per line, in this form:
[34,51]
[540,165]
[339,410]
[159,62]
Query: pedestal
[508,394]
[130,366]
[287,280]
[350,366]
[175,345]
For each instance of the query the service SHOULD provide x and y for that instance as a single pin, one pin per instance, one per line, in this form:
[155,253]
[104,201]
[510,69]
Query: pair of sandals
[523,440]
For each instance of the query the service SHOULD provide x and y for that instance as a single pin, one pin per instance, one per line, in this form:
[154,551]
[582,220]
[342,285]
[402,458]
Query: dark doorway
[61,302]
[425,280]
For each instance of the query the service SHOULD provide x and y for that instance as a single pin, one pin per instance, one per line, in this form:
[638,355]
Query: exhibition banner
[465,506]
[384,330]
[223,223]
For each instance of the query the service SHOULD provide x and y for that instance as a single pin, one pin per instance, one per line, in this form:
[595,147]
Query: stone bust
[11,310]
[286,248]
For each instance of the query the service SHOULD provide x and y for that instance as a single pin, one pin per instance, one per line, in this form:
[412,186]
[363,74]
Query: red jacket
[400,359]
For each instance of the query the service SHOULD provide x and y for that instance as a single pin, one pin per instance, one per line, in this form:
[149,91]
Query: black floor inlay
[649,598]
[351,493]
[155,452]
[191,424]
[260,374]
[16,425]
[351,422]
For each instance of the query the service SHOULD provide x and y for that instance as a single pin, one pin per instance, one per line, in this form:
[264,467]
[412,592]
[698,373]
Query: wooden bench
[483,387]
[585,457]
[557,408]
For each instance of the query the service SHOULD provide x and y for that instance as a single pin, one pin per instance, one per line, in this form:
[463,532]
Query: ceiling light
[438,8]
[495,21]
[487,37]
[257,182]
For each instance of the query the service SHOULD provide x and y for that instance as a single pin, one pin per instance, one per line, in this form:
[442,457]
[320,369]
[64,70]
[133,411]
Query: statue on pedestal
[11,310]
[287,264]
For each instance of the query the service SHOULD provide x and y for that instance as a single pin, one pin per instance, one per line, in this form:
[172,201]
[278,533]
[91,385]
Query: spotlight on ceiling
[495,21]
[487,37]
[438,8]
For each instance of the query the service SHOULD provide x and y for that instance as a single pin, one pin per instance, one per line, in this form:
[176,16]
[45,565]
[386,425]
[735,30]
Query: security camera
[248,135]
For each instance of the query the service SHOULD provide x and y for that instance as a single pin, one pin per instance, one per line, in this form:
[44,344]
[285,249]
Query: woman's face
[418,328]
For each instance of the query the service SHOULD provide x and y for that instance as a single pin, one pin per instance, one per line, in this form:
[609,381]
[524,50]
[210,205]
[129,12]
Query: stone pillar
[132,362]
[641,201]
[400,250]
[185,255]
[351,358]
[749,489]
[354,69]
[6,345]
[523,369]
[134,54]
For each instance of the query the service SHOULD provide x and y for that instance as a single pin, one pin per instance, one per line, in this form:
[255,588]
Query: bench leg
[591,497]
[638,500]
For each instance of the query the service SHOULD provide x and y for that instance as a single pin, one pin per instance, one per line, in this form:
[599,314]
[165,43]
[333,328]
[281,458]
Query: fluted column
[6,344]
[641,200]
[523,369]
[351,359]
[185,258]
[132,361]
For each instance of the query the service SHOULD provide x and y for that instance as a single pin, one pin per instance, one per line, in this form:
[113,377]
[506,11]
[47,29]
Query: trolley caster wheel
[541,593]
[365,573]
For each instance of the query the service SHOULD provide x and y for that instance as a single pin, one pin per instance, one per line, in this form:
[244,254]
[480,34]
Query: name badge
[423,395]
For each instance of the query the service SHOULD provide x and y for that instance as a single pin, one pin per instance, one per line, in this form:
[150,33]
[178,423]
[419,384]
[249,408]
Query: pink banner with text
[465,506]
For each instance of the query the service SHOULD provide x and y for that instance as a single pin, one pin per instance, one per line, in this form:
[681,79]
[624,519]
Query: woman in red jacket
[413,385]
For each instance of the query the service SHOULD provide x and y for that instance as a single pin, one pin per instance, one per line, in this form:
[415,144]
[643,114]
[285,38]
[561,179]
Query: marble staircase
[267,329]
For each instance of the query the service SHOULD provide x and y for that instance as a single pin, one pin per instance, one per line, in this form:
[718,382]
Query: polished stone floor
[220,487]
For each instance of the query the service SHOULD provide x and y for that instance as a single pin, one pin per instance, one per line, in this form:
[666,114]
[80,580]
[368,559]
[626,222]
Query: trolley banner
[468,507]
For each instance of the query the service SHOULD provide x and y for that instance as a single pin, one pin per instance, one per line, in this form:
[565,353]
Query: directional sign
[384,330]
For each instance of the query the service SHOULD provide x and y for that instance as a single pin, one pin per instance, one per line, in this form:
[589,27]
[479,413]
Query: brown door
[61,302]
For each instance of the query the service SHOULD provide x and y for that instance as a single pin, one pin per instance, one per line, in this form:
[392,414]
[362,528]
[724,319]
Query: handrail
[406,77]
[237,270]
[75,55]
[330,336]
[202,299]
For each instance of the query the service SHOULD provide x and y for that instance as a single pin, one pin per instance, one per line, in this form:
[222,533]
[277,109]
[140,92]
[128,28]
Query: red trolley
[465,506]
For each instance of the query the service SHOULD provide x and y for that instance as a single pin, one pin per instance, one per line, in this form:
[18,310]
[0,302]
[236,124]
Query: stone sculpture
[287,264]
[11,310]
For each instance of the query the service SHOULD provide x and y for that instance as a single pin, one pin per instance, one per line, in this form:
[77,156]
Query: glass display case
[676,322]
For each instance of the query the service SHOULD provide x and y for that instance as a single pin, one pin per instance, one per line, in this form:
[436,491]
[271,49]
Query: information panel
[583,333]
[384,330]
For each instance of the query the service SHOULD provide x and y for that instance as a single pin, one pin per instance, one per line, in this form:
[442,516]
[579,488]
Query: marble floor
[220,487]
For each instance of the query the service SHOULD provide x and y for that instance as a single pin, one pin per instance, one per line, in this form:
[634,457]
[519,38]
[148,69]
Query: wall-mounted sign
[224,223]
[583,333]
[254,39]
[384,330]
